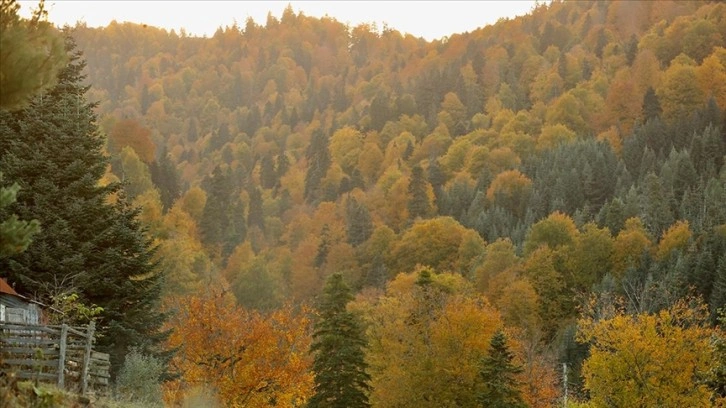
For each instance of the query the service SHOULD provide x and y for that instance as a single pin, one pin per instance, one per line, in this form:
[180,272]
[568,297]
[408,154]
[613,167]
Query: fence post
[87,357]
[62,356]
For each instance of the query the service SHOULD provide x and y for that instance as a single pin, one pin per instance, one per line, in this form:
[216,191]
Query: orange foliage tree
[129,132]
[247,358]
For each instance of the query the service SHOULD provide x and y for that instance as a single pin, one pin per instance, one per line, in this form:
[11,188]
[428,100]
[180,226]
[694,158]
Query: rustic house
[16,308]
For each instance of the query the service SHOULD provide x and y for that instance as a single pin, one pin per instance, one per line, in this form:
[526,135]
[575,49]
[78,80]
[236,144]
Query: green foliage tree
[498,374]
[318,163]
[651,105]
[31,54]
[53,149]
[222,224]
[338,343]
[166,179]
[15,234]
[359,226]
[418,201]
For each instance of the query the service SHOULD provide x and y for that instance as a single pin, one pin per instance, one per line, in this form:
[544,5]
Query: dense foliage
[89,245]
[559,177]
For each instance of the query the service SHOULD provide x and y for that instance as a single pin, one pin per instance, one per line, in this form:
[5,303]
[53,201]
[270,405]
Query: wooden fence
[62,355]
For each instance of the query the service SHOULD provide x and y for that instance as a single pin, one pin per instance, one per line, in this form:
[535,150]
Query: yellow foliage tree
[499,256]
[554,135]
[711,77]
[679,93]
[556,230]
[676,237]
[433,242]
[345,148]
[629,246]
[510,189]
[426,337]
[648,360]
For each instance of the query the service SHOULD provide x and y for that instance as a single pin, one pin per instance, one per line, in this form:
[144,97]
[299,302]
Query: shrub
[138,380]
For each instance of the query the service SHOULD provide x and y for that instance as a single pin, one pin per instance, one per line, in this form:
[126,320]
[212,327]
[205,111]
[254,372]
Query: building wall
[16,310]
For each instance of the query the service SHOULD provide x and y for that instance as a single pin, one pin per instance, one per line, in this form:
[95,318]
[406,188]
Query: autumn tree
[248,358]
[338,344]
[131,133]
[629,246]
[679,93]
[433,242]
[427,335]
[648,360]
[345,147]
[554,231]
[512,190]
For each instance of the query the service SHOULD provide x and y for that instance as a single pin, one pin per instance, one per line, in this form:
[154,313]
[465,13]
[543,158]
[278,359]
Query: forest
[305,213]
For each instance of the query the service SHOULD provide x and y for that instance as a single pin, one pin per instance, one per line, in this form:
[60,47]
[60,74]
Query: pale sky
[427,19]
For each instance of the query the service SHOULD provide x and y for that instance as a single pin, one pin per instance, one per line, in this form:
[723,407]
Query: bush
[139,379]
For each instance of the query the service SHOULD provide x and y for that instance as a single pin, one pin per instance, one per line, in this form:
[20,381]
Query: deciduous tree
[250,359]
[648,360]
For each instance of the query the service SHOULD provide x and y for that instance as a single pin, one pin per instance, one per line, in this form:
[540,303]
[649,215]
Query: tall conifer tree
[52,148]
[418,202]
[500,386]
[341,380]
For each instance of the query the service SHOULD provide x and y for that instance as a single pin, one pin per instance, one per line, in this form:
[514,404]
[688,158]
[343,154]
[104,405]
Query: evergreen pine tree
[418,202]
[223,223]
[268,175]
[341,380]
[255,212]
[651,105]
[53,149]
[497,372]
[318,162]
[15,234]
[165,178]
[359,224]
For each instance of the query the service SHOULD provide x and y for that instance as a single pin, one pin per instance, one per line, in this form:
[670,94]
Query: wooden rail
[62,355]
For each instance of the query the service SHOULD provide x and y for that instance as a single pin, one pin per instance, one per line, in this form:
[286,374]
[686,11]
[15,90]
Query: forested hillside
[551,188]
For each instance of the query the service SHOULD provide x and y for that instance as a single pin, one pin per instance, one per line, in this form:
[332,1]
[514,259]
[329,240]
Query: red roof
[5,288]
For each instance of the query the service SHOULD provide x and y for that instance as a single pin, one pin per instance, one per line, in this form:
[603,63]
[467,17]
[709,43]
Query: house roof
[5,288]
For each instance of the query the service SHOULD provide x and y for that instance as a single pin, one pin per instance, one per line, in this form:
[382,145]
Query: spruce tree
[418,202]
[359,225]
[15,234]
[223,223]
[165,178]
[341,380]
[318,163]
[53,150]
[497,372]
